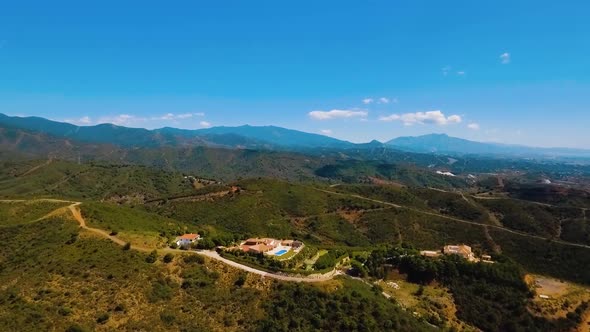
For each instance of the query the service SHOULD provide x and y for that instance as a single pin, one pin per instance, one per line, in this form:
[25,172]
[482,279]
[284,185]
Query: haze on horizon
[502,72]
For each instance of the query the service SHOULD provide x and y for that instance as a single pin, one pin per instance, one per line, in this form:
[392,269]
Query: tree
[205,243]
[357,269]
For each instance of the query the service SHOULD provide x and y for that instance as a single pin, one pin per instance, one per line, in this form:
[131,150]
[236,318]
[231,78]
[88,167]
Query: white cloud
[505,58]
[122,119]
[205,124]
[132,120]
[337,114]
[473,126]
[461,73]
[381,100]
[85,120]
[326,131]
[172,116]
[431,117]
[389,118]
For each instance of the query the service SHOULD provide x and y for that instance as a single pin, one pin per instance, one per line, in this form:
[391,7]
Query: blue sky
[507,71]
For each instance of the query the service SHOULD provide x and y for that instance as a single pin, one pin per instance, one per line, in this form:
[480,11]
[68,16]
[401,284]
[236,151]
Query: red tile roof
[189,237]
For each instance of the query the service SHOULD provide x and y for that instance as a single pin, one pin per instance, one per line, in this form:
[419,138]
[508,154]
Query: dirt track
[457,219]
[74,208]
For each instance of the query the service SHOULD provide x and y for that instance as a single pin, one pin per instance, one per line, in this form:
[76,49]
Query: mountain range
[270,138]
[444,144]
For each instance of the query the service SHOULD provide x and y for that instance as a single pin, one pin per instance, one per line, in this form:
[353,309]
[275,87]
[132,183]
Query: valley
[363,223]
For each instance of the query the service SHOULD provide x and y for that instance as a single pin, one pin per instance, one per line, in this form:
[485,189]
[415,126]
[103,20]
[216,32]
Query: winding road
[74,208]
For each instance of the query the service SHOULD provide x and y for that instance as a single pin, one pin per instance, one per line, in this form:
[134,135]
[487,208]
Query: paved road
[75,209]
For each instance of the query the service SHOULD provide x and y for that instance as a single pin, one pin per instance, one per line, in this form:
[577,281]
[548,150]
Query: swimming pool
[281,252]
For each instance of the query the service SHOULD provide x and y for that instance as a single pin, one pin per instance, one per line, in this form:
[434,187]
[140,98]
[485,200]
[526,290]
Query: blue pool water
[281,252]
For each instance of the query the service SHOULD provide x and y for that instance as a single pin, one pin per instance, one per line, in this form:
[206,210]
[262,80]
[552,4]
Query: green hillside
[19,212]
[55,277]
[263,207]
[55,178]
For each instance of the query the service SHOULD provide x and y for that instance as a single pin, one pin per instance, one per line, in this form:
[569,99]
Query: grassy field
[134,224]
[563,298]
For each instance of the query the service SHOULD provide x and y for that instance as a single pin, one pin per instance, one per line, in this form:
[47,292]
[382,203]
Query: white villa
[186,240]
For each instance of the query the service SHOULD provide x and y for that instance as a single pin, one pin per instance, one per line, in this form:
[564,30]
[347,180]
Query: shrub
[152,257]
[161,290]
[194,259]
[76,328]
[167,318]
[120,308]
[168,258]
[127,246]
[64,311]
[103,318]
[240,281]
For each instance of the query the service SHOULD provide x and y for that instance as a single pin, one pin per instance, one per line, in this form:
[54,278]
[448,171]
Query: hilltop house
[270,246]
[461,250]
[186,240]
[257,245]
[258,248]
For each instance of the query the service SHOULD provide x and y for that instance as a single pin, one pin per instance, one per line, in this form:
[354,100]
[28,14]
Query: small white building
[186,240]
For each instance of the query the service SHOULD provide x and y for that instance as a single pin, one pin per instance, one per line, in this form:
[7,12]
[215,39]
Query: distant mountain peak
[443,143]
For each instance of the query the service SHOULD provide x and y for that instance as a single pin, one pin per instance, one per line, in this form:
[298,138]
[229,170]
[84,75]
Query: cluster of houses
[457,249]
[270,246]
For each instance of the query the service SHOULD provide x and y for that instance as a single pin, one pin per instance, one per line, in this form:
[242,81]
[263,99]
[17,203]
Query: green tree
[205,243]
